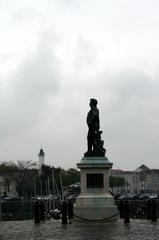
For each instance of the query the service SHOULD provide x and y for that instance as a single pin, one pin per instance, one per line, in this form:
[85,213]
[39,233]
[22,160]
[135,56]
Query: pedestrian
[70,211]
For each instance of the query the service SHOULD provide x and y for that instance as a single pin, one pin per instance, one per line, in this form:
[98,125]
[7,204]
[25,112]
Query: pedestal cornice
[94,162]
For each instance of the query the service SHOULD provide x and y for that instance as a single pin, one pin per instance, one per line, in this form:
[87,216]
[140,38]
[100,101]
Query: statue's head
[93,102]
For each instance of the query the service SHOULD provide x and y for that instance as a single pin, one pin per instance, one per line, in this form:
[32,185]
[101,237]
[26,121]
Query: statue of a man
[93,124]
[95,144]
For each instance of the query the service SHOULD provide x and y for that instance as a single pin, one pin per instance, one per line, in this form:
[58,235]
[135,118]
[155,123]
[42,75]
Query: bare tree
[23,177]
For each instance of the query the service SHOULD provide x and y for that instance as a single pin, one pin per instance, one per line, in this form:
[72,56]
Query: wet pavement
[53,229]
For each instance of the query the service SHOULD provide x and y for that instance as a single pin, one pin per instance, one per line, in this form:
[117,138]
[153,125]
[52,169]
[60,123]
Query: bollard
[64,212]
[36,213]
[42,211]
[121,209]
[149,209]
[70,211]
[0,208]
[126,212]
[153,211]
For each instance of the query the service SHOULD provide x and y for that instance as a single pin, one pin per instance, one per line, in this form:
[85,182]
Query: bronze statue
[95,144]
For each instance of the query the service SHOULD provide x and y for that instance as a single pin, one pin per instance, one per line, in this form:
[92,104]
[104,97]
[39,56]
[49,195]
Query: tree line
[29,183]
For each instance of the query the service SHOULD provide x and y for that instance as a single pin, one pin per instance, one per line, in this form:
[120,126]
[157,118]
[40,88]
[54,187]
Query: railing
[23,210]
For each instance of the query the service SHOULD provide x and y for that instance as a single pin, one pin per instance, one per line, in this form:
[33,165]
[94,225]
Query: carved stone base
[95,204]
[95,208]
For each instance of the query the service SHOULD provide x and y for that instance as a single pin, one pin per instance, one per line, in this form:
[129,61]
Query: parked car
[128,196]
[122,197]
[12,199]
[144,196]
[153,196]
[131,196]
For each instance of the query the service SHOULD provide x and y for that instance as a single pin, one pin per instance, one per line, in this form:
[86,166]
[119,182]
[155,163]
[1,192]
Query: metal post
[34,188]
[46,187]
[46,193]
[49,192]
[153,211]
[149,209]
[121,208]
[62,193]
[41,191]
[36,212]
[0,208]
[64,212]
[126,212]
[53,188]
[58,192]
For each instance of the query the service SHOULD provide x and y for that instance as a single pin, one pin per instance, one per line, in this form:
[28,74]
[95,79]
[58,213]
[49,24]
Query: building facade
[140,180]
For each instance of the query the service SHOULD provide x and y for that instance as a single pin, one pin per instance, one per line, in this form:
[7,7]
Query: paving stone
[53,229]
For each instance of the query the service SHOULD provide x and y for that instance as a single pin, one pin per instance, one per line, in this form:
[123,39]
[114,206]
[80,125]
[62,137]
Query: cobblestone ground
[51,229]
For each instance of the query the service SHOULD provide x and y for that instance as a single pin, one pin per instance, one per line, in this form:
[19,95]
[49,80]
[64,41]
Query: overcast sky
[57,54]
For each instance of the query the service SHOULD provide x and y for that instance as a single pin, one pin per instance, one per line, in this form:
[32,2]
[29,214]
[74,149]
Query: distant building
[41,159]
[140,180]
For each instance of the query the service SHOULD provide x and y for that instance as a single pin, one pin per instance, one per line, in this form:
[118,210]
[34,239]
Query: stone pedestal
[95,203]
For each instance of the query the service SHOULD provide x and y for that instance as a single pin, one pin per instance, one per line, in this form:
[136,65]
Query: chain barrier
[96,220]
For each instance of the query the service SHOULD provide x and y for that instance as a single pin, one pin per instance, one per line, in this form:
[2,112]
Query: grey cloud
[130,117]
[35,80]
[85,54]
[24,14]
[45,108]
[128,104]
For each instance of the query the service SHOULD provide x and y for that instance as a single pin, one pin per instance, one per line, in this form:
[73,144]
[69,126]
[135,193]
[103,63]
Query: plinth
[95,203]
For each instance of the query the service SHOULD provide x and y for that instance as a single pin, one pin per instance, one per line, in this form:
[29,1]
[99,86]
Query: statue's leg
[89,141]
[93,140]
